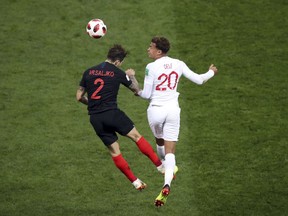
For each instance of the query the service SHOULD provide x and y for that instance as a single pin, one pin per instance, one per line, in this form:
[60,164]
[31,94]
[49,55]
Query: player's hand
[214,68]
[130,72]
[137,93]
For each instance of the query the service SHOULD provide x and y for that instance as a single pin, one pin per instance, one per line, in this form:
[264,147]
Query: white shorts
[164,121]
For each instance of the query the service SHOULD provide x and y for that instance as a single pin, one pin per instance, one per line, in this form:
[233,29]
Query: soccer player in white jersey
[160,87]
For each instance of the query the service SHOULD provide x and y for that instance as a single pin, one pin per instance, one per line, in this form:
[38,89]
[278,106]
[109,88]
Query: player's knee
[134,135]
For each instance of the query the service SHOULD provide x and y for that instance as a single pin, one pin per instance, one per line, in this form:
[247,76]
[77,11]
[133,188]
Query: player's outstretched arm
[208,75]
[80,95]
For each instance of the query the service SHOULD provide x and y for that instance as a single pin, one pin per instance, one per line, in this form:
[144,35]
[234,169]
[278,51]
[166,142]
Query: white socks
[170,163]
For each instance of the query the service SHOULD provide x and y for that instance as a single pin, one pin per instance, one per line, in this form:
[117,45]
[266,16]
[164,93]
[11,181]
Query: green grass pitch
[232,152]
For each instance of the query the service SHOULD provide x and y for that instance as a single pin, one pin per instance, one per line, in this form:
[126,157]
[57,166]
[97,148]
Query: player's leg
[170,161]
[170,165]
[170,135]
[120,162]
[144,146]
[156,117]
[125,127]
[109,138]
[160,148]
[123,166]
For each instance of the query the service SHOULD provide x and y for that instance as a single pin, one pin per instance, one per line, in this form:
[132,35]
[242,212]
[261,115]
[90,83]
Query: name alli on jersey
[101,73]
[168,66]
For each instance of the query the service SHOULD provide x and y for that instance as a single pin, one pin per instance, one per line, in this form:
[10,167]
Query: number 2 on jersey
[169,80]
[101,82]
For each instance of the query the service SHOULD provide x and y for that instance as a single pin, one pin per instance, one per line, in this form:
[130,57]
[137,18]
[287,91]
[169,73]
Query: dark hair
[117,52]
[161,43]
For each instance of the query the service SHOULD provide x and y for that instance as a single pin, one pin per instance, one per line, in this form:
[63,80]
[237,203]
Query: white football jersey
[162,78]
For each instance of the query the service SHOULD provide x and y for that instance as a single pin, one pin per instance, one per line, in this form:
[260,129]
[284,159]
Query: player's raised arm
[199,79]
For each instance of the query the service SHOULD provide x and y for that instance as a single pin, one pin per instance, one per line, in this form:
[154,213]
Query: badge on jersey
[146,72]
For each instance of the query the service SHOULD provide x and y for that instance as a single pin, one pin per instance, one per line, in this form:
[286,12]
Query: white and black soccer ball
[96,28]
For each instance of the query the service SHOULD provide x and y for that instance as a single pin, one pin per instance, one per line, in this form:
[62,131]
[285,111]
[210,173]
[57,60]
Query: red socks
[147,150]
[122,164]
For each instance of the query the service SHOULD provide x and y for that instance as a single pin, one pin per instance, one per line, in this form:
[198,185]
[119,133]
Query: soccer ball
[96,28]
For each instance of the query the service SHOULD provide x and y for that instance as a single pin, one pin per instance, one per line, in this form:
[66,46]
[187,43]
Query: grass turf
[232,152]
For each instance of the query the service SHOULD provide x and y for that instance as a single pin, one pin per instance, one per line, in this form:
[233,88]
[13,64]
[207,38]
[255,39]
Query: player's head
[161,43]
[116,53]
[158,47]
